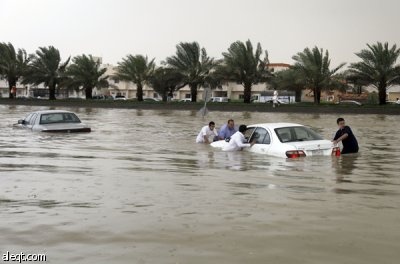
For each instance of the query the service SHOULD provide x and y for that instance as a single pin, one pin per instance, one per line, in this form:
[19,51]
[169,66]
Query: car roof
[51,111]
[274,125]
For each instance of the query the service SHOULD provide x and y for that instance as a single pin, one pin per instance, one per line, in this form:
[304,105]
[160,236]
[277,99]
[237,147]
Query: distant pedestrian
[344,134]
[206,132]
[275,100]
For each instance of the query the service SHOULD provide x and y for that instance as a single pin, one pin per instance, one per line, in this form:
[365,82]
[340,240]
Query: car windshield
[296,133]
[58,118]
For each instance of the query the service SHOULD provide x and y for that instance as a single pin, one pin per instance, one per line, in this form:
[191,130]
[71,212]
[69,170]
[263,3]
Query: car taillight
[336,151]
[292,154]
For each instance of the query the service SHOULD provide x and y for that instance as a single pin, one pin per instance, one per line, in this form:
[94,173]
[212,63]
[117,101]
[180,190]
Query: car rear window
[300,133]
[58,118]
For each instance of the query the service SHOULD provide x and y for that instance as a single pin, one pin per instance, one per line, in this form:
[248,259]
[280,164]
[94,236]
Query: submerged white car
[286,140]
[53,121]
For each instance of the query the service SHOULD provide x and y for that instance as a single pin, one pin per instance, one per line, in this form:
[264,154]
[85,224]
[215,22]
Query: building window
[188,96]
[241,96]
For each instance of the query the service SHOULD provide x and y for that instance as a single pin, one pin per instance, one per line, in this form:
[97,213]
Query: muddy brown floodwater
[139,190]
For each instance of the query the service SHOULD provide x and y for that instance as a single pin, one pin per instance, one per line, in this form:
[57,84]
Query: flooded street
[138,189]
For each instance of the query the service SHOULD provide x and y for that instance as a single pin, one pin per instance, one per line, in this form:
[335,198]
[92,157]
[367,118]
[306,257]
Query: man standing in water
[227,130]
[344,134]
[206,132]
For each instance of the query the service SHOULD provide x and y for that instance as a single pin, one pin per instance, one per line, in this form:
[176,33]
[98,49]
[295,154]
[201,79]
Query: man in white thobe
[237,141]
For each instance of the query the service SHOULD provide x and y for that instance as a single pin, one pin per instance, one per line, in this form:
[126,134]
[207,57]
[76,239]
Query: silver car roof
[275,125]
[51,112]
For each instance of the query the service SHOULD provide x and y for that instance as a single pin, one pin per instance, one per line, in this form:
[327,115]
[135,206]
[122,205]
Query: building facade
[233,91]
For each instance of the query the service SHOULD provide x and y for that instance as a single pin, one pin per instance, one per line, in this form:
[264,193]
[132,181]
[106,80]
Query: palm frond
[377,67]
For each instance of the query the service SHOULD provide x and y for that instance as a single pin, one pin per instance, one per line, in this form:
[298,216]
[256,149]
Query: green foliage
[243,65]
[377,67]
[13,64]
[86,73]
[314,67]
[136,69]
[290,80]
[165,81]
[193,64]
[46,67]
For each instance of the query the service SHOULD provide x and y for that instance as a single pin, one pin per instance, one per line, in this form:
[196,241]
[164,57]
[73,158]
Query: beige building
[231,90]
[393,92]
[22,90]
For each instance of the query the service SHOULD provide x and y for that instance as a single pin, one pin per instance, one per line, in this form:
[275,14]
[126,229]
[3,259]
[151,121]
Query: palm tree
[85,72]
[46,67]
[314,65]
[245,66]
[137,69]
[12,64]
[165,81]
[377,67]
[193,63]
[291,80]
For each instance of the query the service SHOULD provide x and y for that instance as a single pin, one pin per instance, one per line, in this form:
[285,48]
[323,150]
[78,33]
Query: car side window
[284,134]
[32,120]
[261,136]
[70,118]
[302,134]
[247,134]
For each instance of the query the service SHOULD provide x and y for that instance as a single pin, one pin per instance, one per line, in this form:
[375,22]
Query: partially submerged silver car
[53,121]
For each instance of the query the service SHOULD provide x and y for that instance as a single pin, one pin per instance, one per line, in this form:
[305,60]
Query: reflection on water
[138,184]
[345,164]
[8,204]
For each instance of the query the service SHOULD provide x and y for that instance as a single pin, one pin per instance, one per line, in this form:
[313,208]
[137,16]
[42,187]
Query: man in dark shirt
[344,134]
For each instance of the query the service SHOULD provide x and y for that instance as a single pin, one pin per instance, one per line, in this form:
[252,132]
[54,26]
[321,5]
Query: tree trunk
[247,93]
[317,95]
[193,92]
[52,92]
[164,96]
[11,82]
[359,89]
[298,96]
[88,92]
[382,93]
[139,92]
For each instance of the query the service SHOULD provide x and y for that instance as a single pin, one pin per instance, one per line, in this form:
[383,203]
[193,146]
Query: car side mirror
[22,122]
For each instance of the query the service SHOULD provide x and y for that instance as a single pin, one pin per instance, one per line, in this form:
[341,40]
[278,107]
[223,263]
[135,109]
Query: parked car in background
[102,97]
[349,102]
[271,101]
[186,100]
[53,121]
[120,97]
[219,99]
[151,99]
[286,140]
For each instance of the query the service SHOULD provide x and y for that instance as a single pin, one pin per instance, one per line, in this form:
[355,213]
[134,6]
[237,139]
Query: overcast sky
[113,29]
